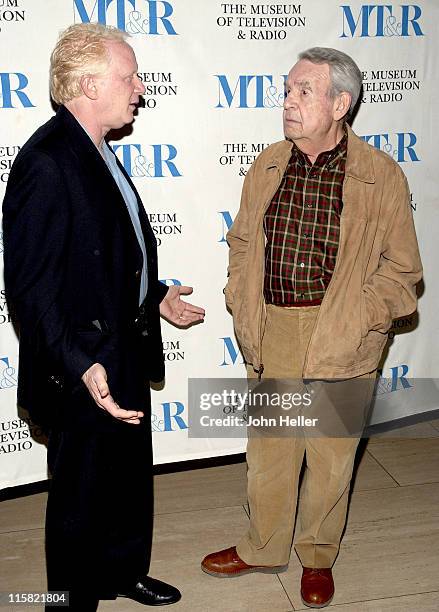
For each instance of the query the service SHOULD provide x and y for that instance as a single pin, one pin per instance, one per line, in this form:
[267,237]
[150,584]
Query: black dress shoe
[152,592]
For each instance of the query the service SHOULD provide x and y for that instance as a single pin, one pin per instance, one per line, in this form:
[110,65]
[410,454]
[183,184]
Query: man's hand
[95,379]
[178,312]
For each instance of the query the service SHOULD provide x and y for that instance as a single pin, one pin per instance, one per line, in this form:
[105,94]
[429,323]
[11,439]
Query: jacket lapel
[94,166]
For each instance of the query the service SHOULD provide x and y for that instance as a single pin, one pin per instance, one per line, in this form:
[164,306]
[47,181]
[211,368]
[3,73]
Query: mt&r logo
[231,352]
[12,86]
[251,91]
[396,381]
[381,20]
[169,416]
[132,16]
[8,377]
[400,146]
[156,162]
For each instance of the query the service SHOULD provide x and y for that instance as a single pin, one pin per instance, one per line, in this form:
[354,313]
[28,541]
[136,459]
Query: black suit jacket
[72,274]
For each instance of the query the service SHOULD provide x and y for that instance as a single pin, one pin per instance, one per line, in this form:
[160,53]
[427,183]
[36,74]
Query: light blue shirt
[133,209]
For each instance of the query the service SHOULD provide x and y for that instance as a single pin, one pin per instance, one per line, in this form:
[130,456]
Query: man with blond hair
[81,273]
[323,256]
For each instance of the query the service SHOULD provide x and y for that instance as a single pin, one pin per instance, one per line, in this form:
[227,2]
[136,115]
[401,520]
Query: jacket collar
[88,155]
[79,140]
[359,163]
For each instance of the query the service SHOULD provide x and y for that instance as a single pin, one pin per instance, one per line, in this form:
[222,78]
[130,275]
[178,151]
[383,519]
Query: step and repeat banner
[214,75]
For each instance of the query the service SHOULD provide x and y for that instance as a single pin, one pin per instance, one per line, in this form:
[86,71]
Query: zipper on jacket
[267,203]
[337,261]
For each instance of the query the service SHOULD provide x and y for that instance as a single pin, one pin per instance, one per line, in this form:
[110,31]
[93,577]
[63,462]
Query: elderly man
[323,255]
[81,273]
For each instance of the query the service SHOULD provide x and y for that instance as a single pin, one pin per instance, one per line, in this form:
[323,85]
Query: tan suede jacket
[377,266]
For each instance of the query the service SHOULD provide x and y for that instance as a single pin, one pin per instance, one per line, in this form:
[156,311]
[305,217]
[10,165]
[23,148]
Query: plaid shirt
[302,226]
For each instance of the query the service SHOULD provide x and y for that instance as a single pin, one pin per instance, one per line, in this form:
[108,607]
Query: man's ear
[342,103]
[88,86]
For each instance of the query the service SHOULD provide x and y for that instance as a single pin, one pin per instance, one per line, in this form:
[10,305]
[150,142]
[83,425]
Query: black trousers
[99,512]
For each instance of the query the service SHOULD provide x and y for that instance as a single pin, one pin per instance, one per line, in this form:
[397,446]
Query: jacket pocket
[92,340]
[376,319]
[363,316]
[240,326]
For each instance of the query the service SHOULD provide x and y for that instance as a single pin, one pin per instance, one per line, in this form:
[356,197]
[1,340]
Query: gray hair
[345,74]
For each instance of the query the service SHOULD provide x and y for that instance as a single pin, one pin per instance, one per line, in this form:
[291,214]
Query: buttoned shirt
[133,209]
[132,205]
[302,226]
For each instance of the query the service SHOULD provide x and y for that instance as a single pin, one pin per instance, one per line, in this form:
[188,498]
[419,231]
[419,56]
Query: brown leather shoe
[317,588]
[226,564]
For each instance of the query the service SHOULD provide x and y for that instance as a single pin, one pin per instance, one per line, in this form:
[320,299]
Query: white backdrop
[214,74]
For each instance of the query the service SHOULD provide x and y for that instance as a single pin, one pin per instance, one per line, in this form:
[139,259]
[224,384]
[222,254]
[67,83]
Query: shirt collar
[328,159]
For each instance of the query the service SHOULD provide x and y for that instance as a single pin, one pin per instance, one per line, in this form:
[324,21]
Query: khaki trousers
[274,466]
